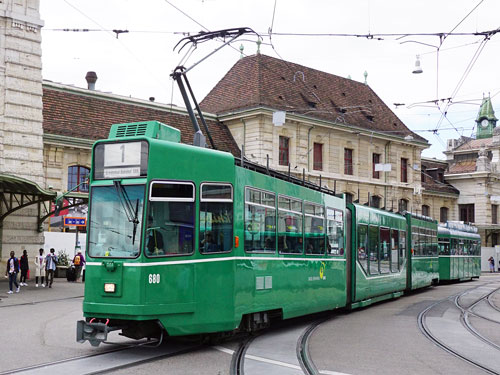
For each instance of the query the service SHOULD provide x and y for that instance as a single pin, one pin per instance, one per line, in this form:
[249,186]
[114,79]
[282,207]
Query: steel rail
[115,365]
[303,354]
[238,359]
[427,333]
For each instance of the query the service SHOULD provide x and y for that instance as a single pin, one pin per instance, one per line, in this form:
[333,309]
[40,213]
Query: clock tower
[486,120]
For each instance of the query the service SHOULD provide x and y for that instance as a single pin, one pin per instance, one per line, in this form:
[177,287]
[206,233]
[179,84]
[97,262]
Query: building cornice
[440,194]
[61,140]
[466,176]
[310,121]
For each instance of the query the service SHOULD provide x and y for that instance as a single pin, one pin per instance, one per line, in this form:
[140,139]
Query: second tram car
[459,252]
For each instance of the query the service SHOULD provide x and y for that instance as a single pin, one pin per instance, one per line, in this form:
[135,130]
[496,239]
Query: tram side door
[350,257]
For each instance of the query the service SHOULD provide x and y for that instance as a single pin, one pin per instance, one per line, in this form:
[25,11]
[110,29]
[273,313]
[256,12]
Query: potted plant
[62,264]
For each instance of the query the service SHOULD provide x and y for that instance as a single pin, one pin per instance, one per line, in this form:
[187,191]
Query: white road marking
[274,362]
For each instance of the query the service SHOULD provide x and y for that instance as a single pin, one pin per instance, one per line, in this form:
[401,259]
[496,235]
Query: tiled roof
[466,166]
[430,164]
[89,115]
[475,144]
[433,185]
[260,80]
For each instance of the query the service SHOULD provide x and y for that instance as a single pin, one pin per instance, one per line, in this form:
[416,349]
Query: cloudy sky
[138,63]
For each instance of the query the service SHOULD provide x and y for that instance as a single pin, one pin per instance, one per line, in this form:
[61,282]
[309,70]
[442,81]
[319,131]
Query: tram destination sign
[75,221]
[120,160]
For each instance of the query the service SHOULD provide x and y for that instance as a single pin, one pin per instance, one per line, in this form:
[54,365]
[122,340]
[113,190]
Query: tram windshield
[115,224]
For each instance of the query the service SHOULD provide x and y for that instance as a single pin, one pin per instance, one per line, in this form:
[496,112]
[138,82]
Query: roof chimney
[91,78]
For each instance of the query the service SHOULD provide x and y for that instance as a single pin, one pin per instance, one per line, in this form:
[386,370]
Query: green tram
[459,252]
[185,240]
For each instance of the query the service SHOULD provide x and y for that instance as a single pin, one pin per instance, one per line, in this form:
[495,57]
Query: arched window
[375,201]
[443,214]
[76,175]
[426,210]
[403,205]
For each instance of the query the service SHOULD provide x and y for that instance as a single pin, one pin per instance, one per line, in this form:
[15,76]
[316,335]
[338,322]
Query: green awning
[18,185]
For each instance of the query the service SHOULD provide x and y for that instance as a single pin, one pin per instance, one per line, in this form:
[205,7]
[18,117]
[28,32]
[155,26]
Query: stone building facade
[21,132]
[474,169]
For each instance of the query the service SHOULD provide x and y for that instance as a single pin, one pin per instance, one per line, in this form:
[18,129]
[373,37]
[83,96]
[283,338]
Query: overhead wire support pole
[199,138]
[198,109]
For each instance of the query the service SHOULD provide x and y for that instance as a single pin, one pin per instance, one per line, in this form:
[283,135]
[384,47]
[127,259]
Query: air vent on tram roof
[150,129]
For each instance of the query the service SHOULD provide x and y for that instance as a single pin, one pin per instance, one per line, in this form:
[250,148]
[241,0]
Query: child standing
[12,271]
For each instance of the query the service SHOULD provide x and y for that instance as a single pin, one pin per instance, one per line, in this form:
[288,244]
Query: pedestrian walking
[12,271]
[40,268]
[78,261]
[492,264]
[24,264]
[51,265]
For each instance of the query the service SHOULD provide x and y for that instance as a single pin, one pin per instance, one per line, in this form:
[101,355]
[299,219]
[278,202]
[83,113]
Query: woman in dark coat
[24,268]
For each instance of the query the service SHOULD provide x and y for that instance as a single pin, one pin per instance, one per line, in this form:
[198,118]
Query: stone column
[21,131]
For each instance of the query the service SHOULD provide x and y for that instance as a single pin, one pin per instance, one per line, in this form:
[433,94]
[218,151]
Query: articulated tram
[186,240]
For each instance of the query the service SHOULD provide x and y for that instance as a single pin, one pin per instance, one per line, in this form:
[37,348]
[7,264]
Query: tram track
[464,320]
[299,359]
[126,355]
[238,358]
[303,355]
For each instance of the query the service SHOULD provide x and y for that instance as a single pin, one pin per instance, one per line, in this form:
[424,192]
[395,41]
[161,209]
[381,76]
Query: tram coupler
[94,332]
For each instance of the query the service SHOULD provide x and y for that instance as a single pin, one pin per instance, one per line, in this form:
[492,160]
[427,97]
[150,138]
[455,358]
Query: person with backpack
[491,261]
[51,265]
[78,261]
[12,271]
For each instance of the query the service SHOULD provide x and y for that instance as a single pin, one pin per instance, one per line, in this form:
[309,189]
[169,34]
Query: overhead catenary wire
[119,41]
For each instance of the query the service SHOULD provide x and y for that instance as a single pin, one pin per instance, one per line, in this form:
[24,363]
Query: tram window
[444,246]
[170,229]
[415,241]
[290,236]
[454,246]
[112,233]
[385,250]
[467,247]
[216,218]
[314,229]
[394,250]
[434,243]
[423,240]
[260,221]
[363,246]
[373,252]
[402,248]
[335,232]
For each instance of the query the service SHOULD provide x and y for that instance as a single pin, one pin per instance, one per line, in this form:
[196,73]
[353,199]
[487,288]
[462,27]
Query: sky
[439,104]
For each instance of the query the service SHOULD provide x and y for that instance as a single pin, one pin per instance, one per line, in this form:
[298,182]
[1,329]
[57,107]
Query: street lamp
[418,68]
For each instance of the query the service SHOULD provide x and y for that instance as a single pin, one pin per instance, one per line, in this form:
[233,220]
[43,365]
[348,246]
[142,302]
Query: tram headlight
[109,287]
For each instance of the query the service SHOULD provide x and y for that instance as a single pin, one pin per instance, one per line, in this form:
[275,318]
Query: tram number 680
[154,278]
